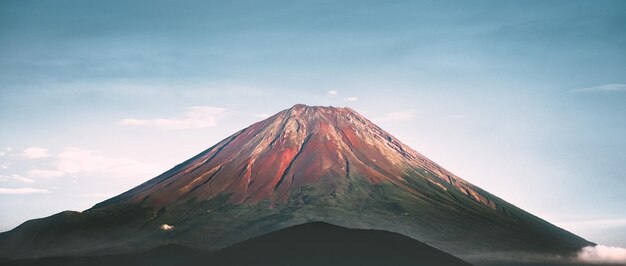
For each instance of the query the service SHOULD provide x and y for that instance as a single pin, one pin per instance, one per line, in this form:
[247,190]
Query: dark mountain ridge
[312,244]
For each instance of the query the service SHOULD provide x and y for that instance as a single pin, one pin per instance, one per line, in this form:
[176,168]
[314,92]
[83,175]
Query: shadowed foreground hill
[308,244]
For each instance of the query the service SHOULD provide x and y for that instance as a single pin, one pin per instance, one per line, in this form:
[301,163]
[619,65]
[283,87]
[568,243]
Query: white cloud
[35,153]
[74,160]
[602,255]
[22,179]
[194,117]
[332,93]
[262,115]
[397,116]
[350,99]
[606,88]
[4,165]
[22,191]
[44,173]
[5,151]
[78,161]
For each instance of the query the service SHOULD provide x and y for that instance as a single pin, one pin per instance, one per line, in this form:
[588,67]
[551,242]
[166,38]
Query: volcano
[304,164]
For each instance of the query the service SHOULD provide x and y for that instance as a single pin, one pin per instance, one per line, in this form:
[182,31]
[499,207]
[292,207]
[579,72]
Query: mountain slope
[303,164]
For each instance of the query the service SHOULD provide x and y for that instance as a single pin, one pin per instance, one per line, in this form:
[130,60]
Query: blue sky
[525,99]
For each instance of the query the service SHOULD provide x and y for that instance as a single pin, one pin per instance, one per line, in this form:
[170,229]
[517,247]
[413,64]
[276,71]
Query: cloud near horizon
[332,93]
[602,255]
[18,191]
[606,88]
[17,178]
[75,161]
[5,151]
[22,179]
[194,117]
[351,99]
[35,153]
[37,173]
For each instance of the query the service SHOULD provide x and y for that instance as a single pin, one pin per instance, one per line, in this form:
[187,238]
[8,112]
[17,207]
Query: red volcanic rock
[299,146]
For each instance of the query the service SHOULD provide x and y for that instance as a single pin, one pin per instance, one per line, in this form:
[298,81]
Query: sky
[526,99]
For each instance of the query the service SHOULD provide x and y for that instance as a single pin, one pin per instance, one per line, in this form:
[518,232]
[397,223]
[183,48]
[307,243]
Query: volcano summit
[304,164]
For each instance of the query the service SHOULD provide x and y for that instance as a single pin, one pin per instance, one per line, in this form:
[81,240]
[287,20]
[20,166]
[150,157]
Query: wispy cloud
[18,191]
[4,165]
[44,173]
[76,161]
[19,178]
[606,88]
[351,99]
[332,93]
[5,151]
[35,153]
[602,255]
[397,116]
[194,117]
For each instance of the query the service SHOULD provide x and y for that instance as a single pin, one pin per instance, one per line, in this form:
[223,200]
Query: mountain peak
[304,110]
[318,107]
[328,148]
